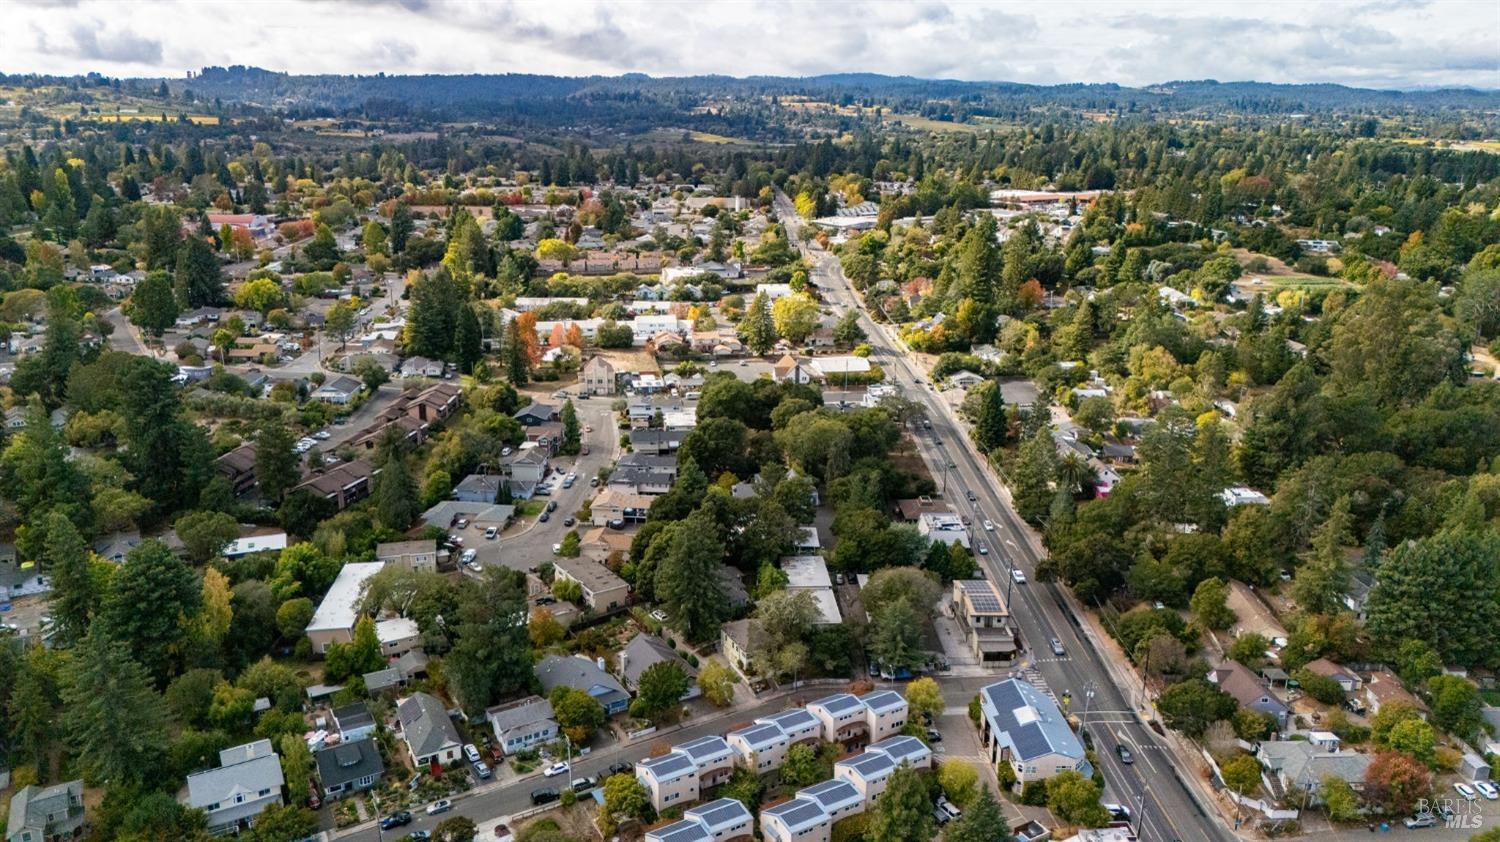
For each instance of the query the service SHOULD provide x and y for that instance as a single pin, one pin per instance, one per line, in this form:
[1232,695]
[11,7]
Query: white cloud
[1376,43]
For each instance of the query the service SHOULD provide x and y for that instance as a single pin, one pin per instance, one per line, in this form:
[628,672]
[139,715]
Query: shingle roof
[527,711]
[256,769]
[580,674]
[348,762]
[425,723]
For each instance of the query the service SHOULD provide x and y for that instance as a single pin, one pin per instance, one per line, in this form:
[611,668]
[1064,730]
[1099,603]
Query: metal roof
[797,814]
[1029,720]
[668,767]
[759,736]
[839,703]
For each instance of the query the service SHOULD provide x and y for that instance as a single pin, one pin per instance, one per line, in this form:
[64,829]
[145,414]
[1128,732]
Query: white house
[247,781]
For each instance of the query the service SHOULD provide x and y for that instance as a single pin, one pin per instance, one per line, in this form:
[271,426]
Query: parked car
[585,784]
[471,752]
[621,768]
[544,516]
[322,435]
[442,805]
[557,549]
[545,795]
[1420,820]
[546,600]
[594,482]
[491,533]
[1487,789]
[569,521]
[568,483]
[468,556]
[659,615]
[463,523]
[559,768]
[482,770]
[418,836]
[948,807]
[1465,790]
[400,818]
[617,523]
[1118,812]
[934,735]
[551,505]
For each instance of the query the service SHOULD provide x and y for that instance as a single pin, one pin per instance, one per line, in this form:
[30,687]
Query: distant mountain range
[476,93]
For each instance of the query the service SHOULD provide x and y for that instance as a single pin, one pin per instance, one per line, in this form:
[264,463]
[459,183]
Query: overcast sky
[1368,43]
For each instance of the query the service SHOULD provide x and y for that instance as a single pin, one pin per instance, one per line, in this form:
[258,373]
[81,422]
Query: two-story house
[247,781]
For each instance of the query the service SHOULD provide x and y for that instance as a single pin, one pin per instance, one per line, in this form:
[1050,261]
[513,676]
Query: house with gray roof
[1297,767]
[43,814]
[349,767]
[523,723]
[1249,690]
[584,674]
[682,775]
[1023,727]
[427,731]
[247,781]
[645,651]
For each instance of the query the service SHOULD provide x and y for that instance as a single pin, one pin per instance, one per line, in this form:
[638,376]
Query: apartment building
[680,776]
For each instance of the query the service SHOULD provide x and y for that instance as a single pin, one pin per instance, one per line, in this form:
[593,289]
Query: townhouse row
[684,774]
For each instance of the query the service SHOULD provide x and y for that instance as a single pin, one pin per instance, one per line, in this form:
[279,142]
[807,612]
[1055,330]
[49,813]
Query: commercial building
[334,620]
[989,631]
[1023,727]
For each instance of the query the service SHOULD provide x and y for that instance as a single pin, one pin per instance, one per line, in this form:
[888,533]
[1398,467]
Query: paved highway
[1153,787]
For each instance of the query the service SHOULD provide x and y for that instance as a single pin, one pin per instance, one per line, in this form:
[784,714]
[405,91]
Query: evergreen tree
[516,368]
[401,227]
[323,252]
[1323,579]
[199,281]
[275,462]
[903,812]
[983,821]
[991,425]
[572,432]
[757,330]
[169,455]
[75,599]
[433,319]
[396,499]
[467,339]
[687,580]
[113,719]
[1031,474]
[151,576]
[33,705]
[153,305]
[491,654]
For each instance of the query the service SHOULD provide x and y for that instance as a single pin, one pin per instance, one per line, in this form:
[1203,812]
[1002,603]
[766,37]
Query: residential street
[1154,787]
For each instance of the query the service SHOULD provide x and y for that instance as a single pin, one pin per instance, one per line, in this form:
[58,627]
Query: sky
[1400,44]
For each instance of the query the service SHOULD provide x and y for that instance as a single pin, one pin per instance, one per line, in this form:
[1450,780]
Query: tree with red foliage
[1397,781]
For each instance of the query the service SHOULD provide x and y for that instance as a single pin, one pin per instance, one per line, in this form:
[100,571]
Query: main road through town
[1154,788]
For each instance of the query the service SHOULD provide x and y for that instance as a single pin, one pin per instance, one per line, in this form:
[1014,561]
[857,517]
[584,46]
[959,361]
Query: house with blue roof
[1023,727]
[762,746]
[724,820]
[857,782]
[856,721]
[682,775]
[871,771]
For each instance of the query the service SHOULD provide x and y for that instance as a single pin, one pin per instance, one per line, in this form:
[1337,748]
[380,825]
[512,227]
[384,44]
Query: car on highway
[1487,789]
[561,767]
[989,525]
[971,496]
[400,818]
[1118,812]
[1057,647]
[1124,754]
[1018,575]
[983,550]
[442,805]
[545,795]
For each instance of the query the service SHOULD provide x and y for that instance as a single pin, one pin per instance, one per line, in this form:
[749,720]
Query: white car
[442,805]
[561,767]
[659,615]
[468,556]
[1465,790]
[491,533]
[989,526]
[322,435]
[471,752]
[1487,789]
[1019,575]
[557,549]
